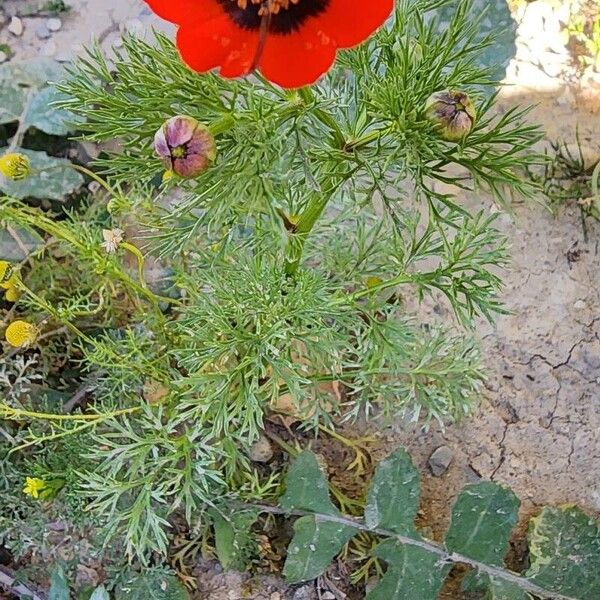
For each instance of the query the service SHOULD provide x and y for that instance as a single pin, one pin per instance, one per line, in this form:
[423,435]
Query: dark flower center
[285,16]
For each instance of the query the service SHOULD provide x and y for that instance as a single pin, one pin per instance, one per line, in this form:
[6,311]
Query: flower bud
[6,274]
[15,166]
[185,146]
[453,114]
[20,333]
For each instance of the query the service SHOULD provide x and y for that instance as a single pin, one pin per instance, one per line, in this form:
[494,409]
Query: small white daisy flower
[112,239]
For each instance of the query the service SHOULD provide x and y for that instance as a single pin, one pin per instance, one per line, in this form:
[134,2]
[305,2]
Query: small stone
[275,596]
[327,596]
[261,451]
[54,24]
[440,460]
[303,593]
[16,26]
[42,32]
[3,57]
[579,305]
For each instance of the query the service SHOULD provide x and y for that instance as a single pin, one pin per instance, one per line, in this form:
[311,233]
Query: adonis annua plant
[258,250]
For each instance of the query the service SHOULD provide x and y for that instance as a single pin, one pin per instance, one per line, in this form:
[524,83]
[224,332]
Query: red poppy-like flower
[292,42]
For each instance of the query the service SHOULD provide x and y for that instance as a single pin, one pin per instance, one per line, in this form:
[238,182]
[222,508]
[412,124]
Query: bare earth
[537,427]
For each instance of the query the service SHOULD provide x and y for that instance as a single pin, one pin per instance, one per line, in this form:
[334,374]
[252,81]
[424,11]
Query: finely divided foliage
[286,270]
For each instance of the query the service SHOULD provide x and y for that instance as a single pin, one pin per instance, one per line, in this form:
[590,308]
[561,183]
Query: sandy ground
[537,425]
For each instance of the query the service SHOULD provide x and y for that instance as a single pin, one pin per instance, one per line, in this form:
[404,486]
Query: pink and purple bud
[452,113]
[185,146]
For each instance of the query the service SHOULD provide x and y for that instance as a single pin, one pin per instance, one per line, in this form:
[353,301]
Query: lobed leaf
[483,518]
[306,487]
[313,547]
[564,547]
[233,538]
[412,573]
[393,498]
[51,178]
[59,586]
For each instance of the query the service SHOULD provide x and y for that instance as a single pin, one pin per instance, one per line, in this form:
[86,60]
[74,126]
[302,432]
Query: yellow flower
[12,294]
[33,486]
[15,166]
[6,274]
[21,333]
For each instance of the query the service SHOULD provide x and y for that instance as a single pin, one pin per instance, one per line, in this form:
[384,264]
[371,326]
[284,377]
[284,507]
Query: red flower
[292,42]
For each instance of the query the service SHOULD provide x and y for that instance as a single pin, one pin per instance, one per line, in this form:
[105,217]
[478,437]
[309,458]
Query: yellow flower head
[6,273]
[21,333]
[15,166]
[33,486]
[12,294]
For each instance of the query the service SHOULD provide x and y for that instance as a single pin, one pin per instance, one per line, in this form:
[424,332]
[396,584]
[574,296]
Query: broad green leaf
[233,538]
[17,243]
[12,101]
[151,586]
[498,589]
[34,73]
[43,115]
[412,573]
[59,586]
[483,518]
[306,487]
[564,549]
[100,593]
[393,499]
[495,19]
[313,547]
[52,178]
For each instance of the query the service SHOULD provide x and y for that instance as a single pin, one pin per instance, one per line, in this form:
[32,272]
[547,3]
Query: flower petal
[350,22]
[300,58]
[218,42]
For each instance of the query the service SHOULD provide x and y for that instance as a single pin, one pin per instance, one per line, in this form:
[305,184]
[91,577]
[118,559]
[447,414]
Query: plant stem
[429,546]
[298,236]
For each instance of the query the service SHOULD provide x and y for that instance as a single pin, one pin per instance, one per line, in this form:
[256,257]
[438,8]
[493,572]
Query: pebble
[440,460]
[3,56]
[579,305]
[16,26]
[261,451]
[327,596]
[42,31]
[54,24]
[275,596]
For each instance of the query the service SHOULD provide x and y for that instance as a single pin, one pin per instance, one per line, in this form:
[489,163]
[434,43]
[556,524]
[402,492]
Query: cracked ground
[537,427]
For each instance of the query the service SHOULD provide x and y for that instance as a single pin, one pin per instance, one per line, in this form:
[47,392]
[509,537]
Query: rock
[16,26]
[579,305]
[261,451]
[275,596]
[3,56]
[304,593]
[54,25]
[327,596]
[440,460]
[42,32]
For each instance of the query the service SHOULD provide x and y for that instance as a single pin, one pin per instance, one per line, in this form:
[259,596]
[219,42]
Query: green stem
[298,237]
[445,556]
[222,125]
